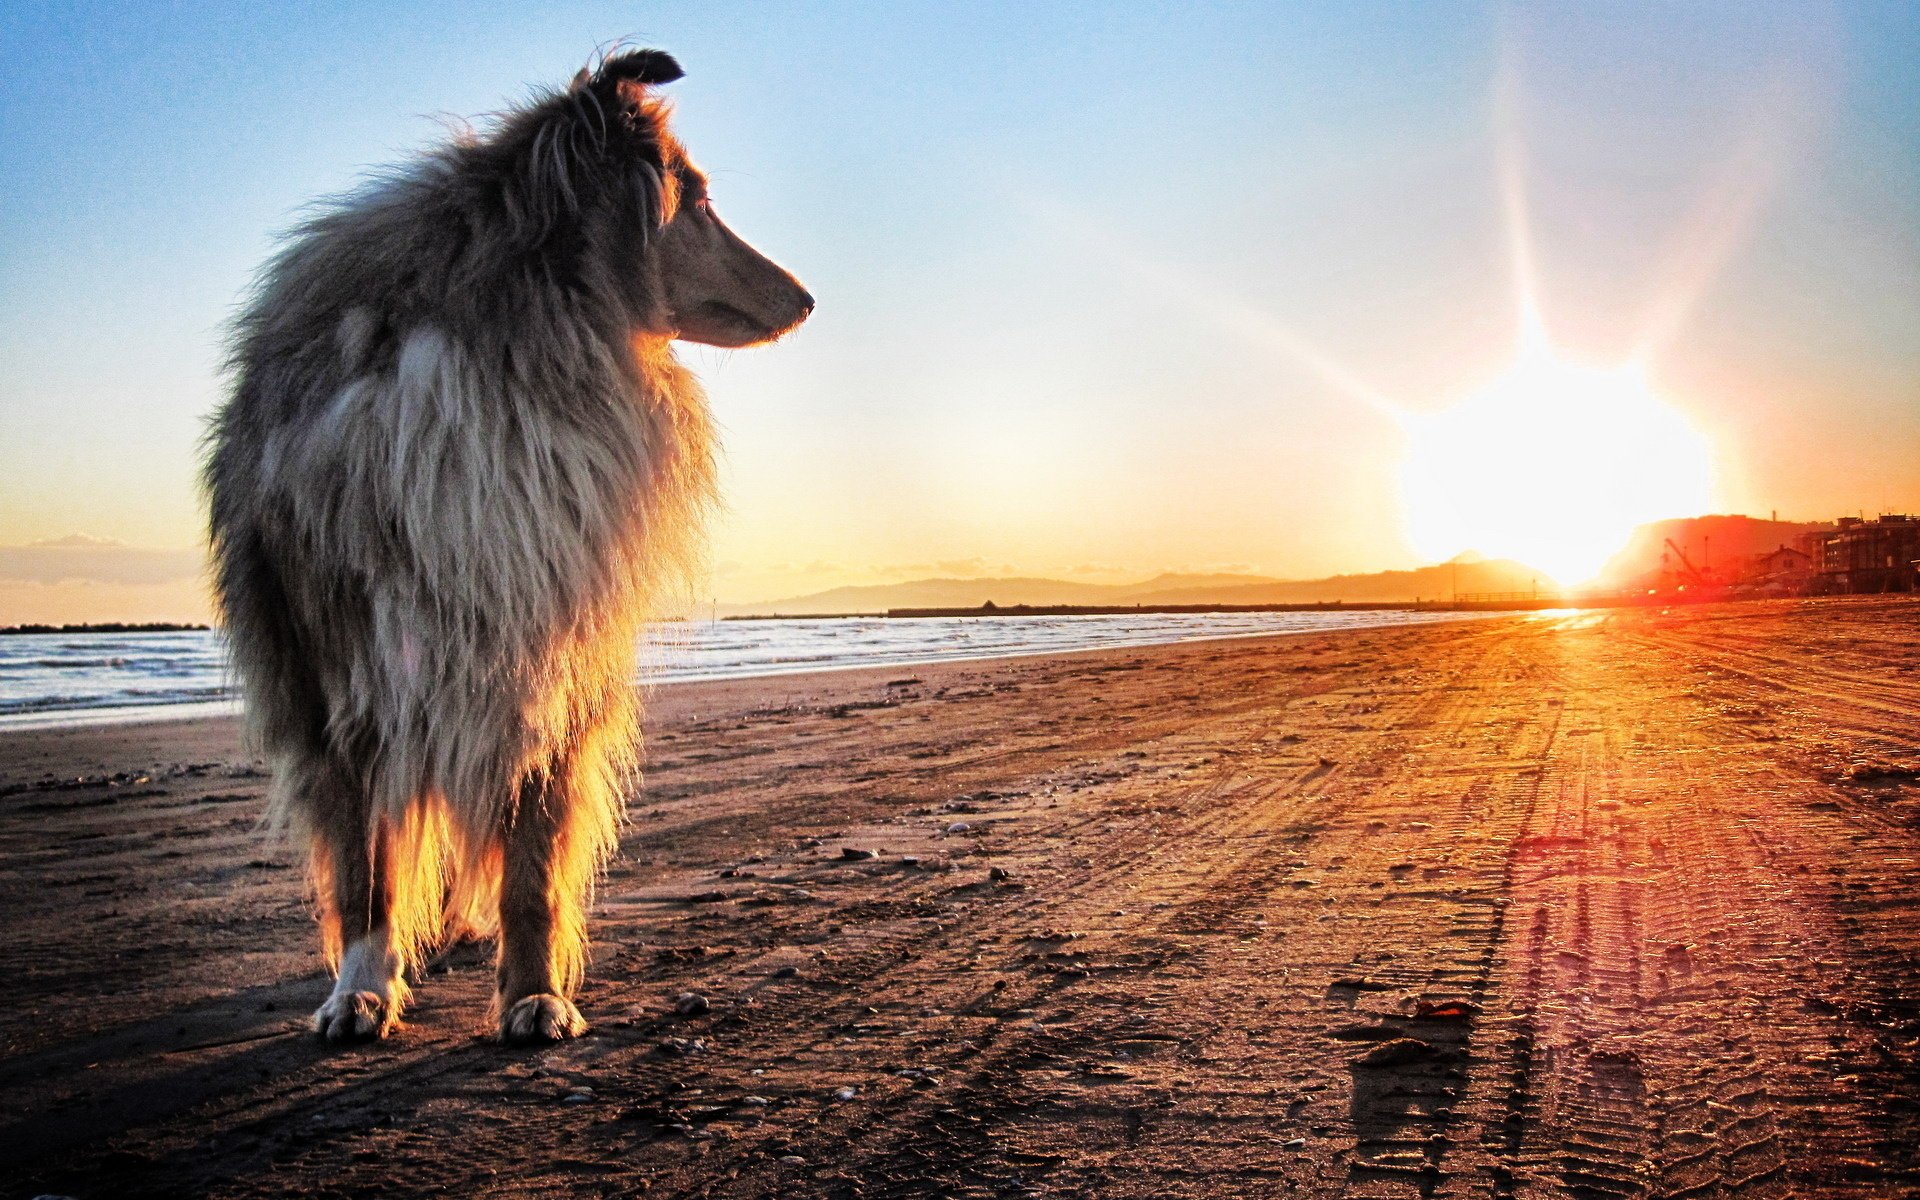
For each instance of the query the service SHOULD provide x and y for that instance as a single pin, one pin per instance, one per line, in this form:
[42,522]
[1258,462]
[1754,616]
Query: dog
[458,466]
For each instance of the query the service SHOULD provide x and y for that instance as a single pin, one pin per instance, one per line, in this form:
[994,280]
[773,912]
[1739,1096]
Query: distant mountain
[1430,583]
[1713,544]
[1168,581]
[934,593]
[1436,582]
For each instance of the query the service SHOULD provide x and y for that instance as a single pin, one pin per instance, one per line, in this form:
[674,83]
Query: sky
[1103,290]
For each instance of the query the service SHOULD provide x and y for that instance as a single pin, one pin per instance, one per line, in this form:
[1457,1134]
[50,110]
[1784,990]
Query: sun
[1553,464]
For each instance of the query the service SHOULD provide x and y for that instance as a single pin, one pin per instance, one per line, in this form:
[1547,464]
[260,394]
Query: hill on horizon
[1432,582]
[1711,541]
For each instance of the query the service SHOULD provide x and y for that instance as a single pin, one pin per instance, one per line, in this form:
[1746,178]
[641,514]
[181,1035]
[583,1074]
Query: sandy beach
[1606,904]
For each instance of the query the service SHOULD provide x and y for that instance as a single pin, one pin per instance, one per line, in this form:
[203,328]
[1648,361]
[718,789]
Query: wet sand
[1620,904]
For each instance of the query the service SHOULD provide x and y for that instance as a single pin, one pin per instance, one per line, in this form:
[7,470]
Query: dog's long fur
[458,464]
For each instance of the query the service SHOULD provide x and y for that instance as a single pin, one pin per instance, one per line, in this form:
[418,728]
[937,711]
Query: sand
[1613,904]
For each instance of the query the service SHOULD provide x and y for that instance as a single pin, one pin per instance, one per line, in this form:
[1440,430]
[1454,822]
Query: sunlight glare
[1554,465]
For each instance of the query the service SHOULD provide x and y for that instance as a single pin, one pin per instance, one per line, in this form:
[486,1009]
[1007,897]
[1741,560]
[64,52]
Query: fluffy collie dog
[458,463]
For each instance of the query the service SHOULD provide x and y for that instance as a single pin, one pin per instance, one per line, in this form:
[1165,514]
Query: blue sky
[989,200]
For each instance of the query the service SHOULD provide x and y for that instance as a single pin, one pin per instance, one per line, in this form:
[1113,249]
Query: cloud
[82,558]
[77,541]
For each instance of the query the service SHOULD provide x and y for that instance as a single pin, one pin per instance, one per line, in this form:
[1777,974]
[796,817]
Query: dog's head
[685,274]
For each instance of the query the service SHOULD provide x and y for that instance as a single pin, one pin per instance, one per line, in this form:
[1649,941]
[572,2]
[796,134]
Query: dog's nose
[806,302]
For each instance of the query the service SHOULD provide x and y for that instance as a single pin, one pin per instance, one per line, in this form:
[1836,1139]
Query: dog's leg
[369,990]
[542,916]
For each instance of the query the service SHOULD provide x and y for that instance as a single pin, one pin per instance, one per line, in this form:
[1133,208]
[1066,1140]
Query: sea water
[54,679]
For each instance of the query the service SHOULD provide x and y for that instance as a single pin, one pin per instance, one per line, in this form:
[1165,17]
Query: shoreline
[26,720]
[48,720]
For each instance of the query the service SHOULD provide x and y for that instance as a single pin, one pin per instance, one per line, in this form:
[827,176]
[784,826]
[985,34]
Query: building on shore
[1857,556]
[1782,571]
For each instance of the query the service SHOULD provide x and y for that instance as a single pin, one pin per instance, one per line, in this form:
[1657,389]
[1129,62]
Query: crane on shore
[1689,575]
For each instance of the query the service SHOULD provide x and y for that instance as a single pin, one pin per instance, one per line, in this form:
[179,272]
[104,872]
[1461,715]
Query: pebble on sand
[845,1093]
[999,873]
[691,1004]
[959,827]
[857,854]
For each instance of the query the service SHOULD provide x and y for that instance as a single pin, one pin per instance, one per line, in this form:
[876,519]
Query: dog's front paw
[354,1017]
[541,1018]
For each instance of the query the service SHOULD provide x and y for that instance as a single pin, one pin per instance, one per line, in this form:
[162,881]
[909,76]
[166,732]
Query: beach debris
[998,874]
[787,972]
[1396,1053]
[691,1004]
[793,1160]
[857,854]
[714,897]
[679,1047]
[756,1101]
[909,860]
[959,827]
[845,1093]
[1442,1010]
[581,1096]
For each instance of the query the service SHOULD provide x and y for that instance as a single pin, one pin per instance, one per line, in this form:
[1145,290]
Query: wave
[89,677]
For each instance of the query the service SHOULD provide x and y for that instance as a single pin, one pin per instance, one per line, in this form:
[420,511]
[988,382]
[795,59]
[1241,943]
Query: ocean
[58,679]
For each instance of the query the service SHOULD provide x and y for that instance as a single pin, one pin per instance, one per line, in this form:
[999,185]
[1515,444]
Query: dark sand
[1610,905]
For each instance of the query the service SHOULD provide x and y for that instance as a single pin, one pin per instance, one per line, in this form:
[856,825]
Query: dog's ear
[630,71]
